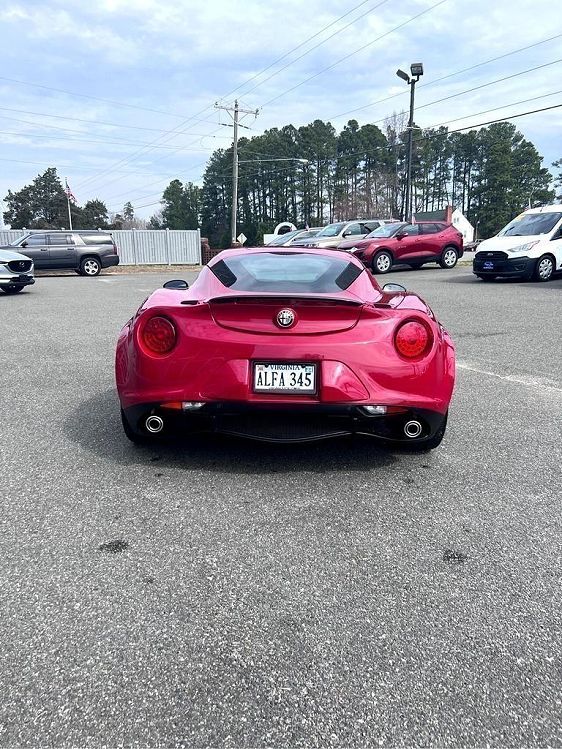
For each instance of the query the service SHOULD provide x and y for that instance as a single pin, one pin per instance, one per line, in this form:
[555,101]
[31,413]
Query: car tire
[486,278]
[382,262]
[90,266]
[11,289]
[449,257]
[544,268]
[130,433]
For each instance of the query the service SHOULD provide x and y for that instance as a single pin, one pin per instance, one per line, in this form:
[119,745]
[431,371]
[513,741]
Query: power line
[476,88]
[308,51]
[89,122]
[88,96]
[119,142]
[73,166]
[294,49]
[449,75]
[356,51]
[43,125]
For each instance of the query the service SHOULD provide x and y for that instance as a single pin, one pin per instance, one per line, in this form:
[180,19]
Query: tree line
[313,175]
[43,205]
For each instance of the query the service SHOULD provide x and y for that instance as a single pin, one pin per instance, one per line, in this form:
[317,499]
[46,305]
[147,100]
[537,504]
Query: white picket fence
[145,246]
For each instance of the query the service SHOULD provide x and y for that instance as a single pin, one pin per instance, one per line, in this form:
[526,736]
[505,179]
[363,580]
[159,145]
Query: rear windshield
[286,272]
[527,225]
[96,238]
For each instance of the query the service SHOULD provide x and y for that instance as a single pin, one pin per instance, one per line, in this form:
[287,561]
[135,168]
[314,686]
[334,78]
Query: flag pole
[68,203]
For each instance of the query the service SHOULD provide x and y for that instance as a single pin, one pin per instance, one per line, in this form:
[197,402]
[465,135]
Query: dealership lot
[229,593]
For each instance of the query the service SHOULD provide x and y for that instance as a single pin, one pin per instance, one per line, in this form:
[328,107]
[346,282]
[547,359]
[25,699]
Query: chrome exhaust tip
[154,424]
[412,429]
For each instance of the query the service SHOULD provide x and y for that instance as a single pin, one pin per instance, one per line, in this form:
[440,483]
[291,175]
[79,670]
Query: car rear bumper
[519,266]
[108,260]
[281,424]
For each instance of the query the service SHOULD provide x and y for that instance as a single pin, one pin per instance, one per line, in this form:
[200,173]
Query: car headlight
[523,247]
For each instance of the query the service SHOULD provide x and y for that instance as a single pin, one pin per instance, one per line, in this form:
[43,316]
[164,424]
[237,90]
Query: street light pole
[416,69]
[408,216]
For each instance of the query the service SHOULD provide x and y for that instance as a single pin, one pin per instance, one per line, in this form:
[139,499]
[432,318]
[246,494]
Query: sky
[119,94]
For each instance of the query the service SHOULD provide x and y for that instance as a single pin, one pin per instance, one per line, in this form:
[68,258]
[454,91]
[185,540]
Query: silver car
[16,271]
[293,237]
[333,234]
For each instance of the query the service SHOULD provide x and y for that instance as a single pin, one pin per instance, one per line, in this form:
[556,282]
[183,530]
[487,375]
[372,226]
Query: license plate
[488,265]
[284,377]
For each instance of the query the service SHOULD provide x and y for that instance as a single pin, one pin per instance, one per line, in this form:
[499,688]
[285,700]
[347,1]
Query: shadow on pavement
[96,426]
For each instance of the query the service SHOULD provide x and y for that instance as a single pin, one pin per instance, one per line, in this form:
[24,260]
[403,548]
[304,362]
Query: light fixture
[403,75]
[416,69]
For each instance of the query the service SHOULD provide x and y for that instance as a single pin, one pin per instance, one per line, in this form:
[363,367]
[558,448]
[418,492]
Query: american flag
[69,193]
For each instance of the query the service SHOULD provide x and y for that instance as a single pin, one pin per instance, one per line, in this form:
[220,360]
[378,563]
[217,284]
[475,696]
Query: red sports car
[409,244]
[285,345]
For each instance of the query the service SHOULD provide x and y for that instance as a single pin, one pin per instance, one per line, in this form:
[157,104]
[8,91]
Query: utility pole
[234,112]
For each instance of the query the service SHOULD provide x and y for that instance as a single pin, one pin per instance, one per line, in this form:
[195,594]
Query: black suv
[85,252]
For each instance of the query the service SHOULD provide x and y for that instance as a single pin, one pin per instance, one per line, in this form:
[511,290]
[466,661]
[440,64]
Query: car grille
[20,266]
[482,256]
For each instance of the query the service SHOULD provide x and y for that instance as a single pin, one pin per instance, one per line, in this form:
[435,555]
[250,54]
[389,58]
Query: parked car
[293,237]
[16,271]
[85,252]
[333,234]
[285,346]
[530,246]
[411,244]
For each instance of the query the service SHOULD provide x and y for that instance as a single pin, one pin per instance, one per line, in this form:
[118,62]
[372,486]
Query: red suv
[409,244]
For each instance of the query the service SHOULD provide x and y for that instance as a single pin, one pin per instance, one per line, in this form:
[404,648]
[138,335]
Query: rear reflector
[183,405]
[412,339]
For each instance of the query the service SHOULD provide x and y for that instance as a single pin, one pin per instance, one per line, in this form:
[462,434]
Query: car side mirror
[391,288]
[176,283]
[23,244]
[346,234]
[401,235]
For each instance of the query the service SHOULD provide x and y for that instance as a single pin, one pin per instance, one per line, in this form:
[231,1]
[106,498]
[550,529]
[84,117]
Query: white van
[530,246]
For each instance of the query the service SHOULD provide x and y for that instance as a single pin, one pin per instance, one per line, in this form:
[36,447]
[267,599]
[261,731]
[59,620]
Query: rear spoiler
[283,299]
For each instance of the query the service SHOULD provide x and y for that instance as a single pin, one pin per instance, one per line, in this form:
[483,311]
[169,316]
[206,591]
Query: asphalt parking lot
[328,595]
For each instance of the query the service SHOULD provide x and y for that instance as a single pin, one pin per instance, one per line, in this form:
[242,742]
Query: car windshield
[282,238]
[387,230]
[332,230]
[281,272]
[305,235]
[530,224]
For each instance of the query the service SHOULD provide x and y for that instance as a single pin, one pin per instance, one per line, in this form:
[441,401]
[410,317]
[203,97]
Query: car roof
[556,208]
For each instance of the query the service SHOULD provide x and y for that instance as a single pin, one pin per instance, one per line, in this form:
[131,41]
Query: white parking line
[539,383]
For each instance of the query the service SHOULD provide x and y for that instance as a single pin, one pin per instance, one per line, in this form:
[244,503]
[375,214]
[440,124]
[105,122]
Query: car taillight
[412,339]
[115,249]
[159,335]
